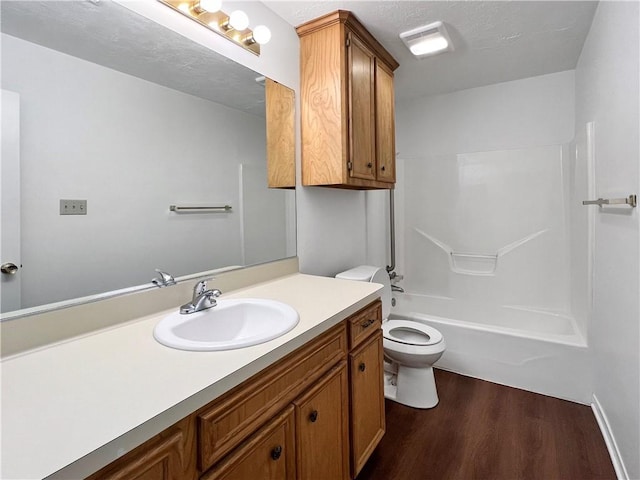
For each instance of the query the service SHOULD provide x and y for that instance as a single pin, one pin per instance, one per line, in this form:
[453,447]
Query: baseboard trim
[609,439]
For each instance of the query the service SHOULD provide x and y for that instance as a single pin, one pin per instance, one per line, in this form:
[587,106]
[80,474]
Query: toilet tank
[368,273]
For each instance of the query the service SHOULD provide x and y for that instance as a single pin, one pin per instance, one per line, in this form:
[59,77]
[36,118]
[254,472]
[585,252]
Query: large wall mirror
[103,105]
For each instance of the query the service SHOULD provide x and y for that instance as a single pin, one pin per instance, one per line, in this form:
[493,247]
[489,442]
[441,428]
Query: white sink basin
[233,323]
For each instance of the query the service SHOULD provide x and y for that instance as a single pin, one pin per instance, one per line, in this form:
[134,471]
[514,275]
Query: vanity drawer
[268,454]
[364,323]
[229,420]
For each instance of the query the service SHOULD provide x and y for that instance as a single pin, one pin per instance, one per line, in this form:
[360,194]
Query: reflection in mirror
[118,111]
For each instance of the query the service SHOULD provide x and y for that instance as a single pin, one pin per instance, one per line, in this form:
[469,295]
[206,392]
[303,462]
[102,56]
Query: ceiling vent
[427,40]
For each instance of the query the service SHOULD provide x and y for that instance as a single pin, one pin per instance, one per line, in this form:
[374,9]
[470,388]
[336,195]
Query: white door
[10,203]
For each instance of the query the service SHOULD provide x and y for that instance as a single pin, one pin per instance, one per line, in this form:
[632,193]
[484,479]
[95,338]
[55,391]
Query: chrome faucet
[394,277]
[164,280]
[203,298]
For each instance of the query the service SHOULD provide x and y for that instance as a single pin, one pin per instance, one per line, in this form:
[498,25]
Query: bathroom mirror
[123,114]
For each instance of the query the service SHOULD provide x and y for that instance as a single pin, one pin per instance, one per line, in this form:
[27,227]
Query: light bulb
[261,34]
[238,20]
[211,5]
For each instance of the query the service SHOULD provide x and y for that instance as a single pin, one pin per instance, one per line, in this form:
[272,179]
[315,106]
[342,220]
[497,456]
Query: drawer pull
[371,321]
[362,367]
[313,416]
[276,452]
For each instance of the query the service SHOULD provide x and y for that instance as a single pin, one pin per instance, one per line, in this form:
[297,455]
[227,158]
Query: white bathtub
[511,345]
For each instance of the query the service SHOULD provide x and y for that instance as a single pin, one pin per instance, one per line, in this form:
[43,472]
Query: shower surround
[491,235]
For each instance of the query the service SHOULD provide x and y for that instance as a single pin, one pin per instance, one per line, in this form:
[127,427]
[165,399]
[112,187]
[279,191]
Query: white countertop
[84,402]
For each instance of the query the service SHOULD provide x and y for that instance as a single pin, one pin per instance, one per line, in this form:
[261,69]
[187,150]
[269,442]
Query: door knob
[8,268]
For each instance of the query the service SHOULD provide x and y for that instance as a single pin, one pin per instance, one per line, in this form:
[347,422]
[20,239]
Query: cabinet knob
[276,452]
[362,367]
[313,416]
[383,168]
[369,165]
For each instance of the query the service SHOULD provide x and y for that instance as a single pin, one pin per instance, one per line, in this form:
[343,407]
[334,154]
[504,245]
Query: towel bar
[631,200]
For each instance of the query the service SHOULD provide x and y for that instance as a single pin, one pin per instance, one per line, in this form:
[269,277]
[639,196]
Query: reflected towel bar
[177,209]
[631,200]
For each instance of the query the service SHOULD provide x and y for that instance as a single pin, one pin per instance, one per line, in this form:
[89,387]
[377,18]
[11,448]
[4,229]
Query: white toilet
[410,348]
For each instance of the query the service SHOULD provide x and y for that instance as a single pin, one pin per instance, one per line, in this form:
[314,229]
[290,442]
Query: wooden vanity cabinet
[347,105]
[322,428]
[314,414]
[169,455]
[366,384]
[367,401]
[270,454]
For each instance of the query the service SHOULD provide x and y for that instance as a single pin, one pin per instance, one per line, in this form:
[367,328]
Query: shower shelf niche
[473,264]
[480,264]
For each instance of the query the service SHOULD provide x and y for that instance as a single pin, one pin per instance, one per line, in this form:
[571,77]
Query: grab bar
[631,200]
[177,209]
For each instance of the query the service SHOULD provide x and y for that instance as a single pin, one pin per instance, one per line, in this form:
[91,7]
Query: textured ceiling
[494,41]
[108,34]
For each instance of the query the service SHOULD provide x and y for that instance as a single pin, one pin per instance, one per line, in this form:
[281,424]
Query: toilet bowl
[410,348]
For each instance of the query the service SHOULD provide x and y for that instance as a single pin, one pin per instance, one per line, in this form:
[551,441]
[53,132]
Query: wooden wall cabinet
[281,135]
[317,413]
[347,105]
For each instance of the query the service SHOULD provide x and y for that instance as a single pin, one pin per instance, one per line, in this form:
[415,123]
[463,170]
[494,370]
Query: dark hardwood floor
[481,430]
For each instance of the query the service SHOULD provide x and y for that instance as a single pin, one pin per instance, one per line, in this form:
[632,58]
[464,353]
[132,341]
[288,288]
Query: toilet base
[414,387]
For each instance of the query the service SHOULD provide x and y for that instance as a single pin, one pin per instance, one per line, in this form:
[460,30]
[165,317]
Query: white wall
[607,94]
[84,127]
[524,113]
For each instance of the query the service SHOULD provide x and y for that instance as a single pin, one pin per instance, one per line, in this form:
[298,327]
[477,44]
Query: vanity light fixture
[427,40]
[234,27]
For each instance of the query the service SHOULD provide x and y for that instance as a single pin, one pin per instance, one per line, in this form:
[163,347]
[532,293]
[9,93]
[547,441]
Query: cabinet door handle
[382,168]
[313,416]
[369,322]
[362,367]
[276,452]
[369,165]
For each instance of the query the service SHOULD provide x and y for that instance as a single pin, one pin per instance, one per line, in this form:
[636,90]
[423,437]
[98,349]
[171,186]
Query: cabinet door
[281,135]
[268,455]
[322,429]
[367,401]
[362,122]
[385,125]
[165,457]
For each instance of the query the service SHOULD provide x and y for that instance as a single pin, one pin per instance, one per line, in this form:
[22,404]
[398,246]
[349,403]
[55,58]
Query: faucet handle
[164,280]
[199,288]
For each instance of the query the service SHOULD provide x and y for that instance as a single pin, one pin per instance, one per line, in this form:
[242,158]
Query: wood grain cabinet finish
[281,135]
[268,455]
[364,323]
[367,400]
[347,114]
[238,413]
[322,428]
[169,455]
[311,415]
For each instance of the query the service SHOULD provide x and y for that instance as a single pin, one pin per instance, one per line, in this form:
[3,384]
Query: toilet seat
[410,333]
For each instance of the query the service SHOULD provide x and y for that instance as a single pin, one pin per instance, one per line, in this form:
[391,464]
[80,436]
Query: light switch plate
[73,207]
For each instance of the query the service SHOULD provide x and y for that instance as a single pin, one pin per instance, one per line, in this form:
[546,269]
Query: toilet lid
[410,333]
